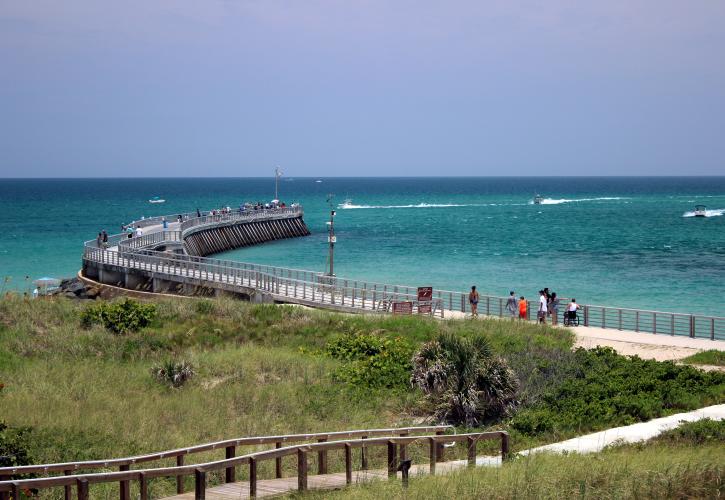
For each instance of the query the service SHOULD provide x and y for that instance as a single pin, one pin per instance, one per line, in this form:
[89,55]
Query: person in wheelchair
[571,316]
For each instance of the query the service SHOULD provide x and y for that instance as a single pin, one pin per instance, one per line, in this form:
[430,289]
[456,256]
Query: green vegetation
[120,317]
[463,381]
[695,433]
[628,472]
[711,357]
[85,392]
[604,389]
[173,373]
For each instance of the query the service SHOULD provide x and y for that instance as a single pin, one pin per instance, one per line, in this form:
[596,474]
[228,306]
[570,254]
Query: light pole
[331,238]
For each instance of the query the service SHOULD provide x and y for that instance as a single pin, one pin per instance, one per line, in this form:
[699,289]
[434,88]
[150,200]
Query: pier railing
[316,288]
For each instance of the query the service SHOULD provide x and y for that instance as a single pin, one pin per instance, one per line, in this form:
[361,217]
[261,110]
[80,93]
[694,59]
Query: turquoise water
[612,241]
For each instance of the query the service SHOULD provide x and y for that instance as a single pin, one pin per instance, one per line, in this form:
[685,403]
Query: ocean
[629,242]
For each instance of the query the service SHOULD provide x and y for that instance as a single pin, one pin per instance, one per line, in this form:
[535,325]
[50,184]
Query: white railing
[314,287]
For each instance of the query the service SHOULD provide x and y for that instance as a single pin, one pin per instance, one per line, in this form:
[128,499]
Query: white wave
[552,201]
[349,206]
[708,213]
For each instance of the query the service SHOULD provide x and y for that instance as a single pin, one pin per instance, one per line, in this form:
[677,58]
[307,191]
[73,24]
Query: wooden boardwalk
[286,485]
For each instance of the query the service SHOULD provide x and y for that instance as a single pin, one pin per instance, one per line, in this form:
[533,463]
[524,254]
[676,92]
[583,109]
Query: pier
[174,259]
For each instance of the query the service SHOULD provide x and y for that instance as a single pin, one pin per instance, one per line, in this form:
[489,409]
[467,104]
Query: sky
[361,88]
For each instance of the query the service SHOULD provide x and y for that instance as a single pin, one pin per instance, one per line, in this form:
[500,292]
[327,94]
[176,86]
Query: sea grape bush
[371,360]
[607,389]
[119,317]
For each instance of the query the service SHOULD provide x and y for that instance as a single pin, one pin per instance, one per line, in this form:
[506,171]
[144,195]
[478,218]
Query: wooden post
[230,472]
[14,491]
[124,487]
[432,455]
[82,487]
[301,470]
[278,462]
[143,486]
[199,484]
[348,463]
[322,458]
[471,451]
[252,477]
[179,479]
[4,495]
[504,446]
[67,488]
[440,452]
[392,459]
[363,456]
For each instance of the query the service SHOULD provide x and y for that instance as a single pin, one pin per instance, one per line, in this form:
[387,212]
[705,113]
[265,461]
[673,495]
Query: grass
[712,357]
[87,393]
[687,462]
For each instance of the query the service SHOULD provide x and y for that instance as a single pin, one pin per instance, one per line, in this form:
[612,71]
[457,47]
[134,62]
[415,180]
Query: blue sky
[234,87]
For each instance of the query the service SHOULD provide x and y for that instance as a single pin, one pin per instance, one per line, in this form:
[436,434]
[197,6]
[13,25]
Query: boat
[156,199]
[538,199]
[700,211]
[347,203]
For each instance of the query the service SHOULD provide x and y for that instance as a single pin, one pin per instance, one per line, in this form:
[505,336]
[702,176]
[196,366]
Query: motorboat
[538,199]
[700,211]
[156,199]
[347,203]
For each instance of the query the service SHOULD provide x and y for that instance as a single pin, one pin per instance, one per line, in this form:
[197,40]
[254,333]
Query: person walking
[105,238]
[511,305]
[99,240]
[542,307]
[554,308]
[522,308]
[473,300]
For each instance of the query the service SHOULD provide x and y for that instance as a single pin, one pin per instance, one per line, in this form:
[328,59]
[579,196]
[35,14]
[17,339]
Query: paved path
[629,434]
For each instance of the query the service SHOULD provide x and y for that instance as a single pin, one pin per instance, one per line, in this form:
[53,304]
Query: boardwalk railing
[397,450]
[315,288]
[229,446]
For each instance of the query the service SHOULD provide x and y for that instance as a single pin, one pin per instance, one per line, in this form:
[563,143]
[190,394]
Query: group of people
[549,304]
[102,239]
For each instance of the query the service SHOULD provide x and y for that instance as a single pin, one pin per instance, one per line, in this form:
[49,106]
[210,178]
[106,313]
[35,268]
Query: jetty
[176,257]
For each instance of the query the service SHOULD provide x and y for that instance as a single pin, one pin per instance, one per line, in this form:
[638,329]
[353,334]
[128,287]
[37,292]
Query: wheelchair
[571,318]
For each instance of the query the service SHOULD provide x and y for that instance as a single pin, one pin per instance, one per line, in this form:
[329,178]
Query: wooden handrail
[217,445]
[301,450]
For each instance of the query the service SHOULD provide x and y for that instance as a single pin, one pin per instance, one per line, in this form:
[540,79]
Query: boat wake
[552,201]
[708,213]
[350,206]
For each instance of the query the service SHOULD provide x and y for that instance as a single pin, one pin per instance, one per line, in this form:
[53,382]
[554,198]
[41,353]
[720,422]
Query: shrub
[204,307]
[173,373]
[13,443]
[606,389]
[696,433]
[120,317]
[371,360]
[464,381]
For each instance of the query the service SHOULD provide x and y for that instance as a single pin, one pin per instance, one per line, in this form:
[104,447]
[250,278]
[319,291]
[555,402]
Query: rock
[75,286]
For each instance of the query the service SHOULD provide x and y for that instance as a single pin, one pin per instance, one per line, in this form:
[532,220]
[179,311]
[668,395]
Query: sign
[425,293]
[424,308]
[402,308]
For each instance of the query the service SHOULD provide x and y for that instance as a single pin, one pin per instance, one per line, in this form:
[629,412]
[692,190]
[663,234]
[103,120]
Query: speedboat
[700,211]
[346,203]
[538,199]
[156,199]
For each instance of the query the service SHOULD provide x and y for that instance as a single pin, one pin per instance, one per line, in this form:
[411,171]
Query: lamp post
[331,238]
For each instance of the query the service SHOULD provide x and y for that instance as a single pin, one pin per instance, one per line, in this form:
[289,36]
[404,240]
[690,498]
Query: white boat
[156,199]
[538,199]
[700,211]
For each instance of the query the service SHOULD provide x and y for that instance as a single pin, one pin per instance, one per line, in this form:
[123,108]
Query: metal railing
[314,287]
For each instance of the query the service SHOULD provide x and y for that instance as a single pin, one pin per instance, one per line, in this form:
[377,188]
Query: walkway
[629,434]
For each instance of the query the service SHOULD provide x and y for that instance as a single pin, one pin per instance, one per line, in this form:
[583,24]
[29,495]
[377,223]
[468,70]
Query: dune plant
[120,317]
[173,373]
[464,381]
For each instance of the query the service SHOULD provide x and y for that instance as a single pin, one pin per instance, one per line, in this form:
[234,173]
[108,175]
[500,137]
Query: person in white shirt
[542,307]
